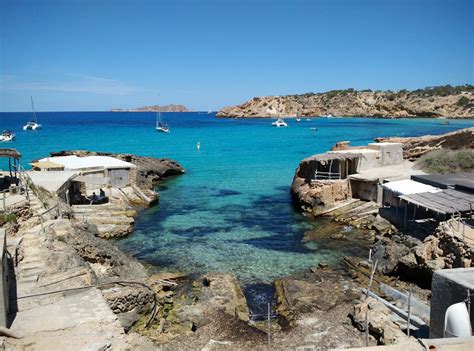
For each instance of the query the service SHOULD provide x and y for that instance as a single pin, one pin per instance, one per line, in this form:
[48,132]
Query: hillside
[155,108]
[441,101]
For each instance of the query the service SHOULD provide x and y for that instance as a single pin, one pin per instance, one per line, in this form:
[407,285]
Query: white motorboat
[33,124]
[279,123]
[7,136]
[298,119]
[160,126]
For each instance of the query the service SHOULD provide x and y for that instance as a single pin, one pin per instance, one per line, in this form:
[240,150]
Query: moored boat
[7,135]
[279,123]
[33,124]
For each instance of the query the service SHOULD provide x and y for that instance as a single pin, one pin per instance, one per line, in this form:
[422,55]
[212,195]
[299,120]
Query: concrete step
[27,280]
[32,264]
[112,228]
[30,273]
[111,220]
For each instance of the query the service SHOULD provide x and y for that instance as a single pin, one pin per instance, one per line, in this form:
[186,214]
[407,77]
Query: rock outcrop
[447,101]
[414,147]
[381,325]
[154,108]
[317,197]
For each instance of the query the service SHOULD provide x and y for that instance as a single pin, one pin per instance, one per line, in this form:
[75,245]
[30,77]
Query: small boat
[33,124]
[445,122]
[298,120]
[314,129]
[7,135]
[308,119]
[161,127]
[279,123]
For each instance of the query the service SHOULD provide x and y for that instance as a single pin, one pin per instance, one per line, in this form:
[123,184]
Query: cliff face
[446,101]
[154,108]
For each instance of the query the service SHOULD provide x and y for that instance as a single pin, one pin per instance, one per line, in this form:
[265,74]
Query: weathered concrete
[448,286]
[73,310]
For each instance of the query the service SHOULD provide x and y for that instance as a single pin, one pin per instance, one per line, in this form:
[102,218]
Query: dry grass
[447,161]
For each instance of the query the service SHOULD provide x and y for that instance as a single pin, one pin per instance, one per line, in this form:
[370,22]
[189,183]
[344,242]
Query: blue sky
[206,54]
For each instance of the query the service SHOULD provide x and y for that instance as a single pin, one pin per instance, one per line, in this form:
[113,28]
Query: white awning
[408,186]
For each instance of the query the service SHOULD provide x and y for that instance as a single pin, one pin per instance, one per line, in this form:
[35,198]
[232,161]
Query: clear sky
[206,54]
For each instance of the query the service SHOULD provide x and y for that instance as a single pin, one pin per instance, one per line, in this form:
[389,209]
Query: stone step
[32,264]
[31,272]
[27,280]
[112,220]
[24,288]
[105,229]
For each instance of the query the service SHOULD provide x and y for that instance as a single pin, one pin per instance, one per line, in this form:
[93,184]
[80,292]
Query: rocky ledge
[414,147]
[442,101]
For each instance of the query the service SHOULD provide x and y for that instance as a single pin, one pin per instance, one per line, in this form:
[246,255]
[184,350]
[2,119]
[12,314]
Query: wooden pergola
[13,160]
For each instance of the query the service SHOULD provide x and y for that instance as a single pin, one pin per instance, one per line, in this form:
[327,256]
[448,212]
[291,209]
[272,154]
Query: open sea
[231,211]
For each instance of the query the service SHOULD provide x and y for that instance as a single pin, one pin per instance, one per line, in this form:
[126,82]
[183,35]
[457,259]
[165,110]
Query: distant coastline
[155,108]
[441,101]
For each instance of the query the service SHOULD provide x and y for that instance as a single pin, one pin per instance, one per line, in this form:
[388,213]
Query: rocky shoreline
[442,101]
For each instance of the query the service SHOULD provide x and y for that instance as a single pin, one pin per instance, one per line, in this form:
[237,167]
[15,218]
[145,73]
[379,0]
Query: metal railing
[56,207]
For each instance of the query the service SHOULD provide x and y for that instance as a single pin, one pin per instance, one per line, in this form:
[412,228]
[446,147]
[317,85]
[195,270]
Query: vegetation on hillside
[447,161]
[442,90]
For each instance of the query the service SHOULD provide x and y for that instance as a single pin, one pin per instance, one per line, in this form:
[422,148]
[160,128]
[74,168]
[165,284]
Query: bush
[462,101]
[447,161]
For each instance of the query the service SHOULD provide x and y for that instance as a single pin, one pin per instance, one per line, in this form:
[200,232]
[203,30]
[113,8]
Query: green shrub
[462,101]
[447,161]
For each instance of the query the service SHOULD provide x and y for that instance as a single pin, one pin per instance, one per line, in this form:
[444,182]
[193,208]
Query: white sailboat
[32,125]
[161,127]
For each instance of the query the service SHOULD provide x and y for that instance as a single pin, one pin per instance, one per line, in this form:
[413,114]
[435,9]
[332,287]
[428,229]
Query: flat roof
[445,202]
[74,162]
[463,181]
[46,165]
[51,180]
[408,186]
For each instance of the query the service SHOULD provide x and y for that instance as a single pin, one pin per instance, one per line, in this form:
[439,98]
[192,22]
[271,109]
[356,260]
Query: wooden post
[414,214]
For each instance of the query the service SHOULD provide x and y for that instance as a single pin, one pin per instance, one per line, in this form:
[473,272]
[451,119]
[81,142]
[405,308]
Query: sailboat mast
[33,109]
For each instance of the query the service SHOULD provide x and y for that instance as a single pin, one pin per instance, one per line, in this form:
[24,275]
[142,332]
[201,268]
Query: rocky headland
[442,101]
[155,108]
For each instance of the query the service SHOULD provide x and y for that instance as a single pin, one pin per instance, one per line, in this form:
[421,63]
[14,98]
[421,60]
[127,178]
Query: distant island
[440,101]
[155,108]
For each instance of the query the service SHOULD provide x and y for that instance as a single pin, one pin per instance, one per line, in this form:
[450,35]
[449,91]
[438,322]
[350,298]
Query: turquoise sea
[231,211]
